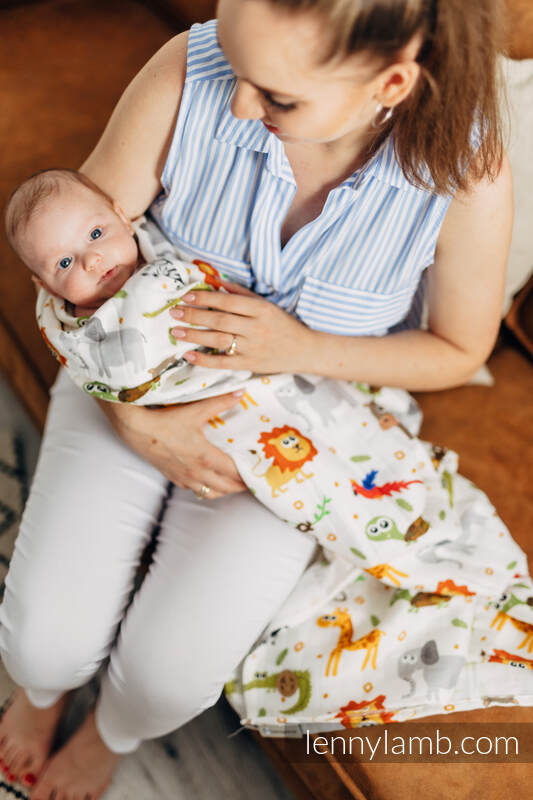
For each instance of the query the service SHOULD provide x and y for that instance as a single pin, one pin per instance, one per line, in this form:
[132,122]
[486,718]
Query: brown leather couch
[61,75]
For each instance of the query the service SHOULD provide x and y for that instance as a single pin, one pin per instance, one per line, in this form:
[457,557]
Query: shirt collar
[252,135]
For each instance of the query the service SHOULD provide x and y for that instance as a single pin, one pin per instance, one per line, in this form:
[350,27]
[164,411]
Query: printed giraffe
[381,571]
[369,642]
[501,618]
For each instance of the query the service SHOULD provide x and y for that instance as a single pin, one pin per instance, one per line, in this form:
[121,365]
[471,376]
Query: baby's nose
[92,261]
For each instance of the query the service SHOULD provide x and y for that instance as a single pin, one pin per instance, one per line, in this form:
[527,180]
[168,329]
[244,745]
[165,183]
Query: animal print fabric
[125,352]
[418,600]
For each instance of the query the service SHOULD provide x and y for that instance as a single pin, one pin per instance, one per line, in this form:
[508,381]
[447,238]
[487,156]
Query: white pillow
[518,113]
[518,79]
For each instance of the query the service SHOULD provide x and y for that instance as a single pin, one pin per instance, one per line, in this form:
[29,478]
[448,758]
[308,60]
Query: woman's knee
[47,651]
[166,691]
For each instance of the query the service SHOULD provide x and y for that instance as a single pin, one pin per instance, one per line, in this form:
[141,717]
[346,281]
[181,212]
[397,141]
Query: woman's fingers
[211,495]
[236,288]
[223,465]
[220,341]
[213,406]
[212,320]
[210,466]
[194,476]
[215,309]
[218,485]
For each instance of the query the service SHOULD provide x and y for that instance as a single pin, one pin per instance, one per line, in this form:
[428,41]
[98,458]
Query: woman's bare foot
[26,735]
[81,769]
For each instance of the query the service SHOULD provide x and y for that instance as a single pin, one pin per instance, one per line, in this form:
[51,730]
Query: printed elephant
[114,348]
[323,397]
[439,672]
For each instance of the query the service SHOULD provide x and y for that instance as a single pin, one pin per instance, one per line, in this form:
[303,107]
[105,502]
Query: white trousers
[220,572]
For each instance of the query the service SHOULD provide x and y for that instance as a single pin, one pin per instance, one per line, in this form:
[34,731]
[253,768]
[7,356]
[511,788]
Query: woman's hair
[458,89]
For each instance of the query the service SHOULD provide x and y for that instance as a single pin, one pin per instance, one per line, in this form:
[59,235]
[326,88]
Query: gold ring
[232,349]
[204,492]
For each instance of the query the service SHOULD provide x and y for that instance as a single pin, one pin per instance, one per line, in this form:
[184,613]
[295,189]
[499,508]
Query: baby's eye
[65,262]
[96,233]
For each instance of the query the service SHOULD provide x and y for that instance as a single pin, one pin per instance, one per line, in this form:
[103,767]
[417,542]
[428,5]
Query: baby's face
[80,247]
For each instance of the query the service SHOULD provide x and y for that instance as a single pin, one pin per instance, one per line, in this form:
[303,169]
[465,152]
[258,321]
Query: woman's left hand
[265,338]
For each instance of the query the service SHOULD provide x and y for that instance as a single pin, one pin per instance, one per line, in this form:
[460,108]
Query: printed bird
[369,489]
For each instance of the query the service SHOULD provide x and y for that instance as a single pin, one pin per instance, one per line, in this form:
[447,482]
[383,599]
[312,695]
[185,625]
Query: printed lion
[290,450]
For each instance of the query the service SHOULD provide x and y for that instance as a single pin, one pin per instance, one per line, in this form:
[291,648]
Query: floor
[200,760]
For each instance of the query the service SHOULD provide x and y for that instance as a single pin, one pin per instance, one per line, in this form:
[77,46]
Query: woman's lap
[221,569]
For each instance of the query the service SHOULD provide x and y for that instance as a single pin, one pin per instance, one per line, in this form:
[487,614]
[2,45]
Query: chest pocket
[347,311]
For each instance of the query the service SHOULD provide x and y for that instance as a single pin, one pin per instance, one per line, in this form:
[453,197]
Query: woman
[324,154]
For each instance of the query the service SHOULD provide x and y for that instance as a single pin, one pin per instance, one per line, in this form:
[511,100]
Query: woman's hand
[172,439]
[266,338]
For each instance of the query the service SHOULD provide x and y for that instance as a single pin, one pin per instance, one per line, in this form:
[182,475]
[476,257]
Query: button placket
[270,208]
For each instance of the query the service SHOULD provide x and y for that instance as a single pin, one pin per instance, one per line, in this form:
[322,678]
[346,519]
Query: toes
[28,779]
[17,764]
[46,795]
[43,791]
[13,762]
[10,776]
[8,759]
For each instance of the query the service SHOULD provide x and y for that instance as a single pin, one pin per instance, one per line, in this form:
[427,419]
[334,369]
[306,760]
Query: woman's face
[275,55]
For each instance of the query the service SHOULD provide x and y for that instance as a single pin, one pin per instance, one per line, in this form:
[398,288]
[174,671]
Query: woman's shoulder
[205,57]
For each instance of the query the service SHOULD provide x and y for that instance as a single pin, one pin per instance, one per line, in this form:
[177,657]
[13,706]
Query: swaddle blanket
[124,351]
[417,601]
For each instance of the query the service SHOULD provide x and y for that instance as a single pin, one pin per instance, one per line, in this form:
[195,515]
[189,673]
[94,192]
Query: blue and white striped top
[357,269]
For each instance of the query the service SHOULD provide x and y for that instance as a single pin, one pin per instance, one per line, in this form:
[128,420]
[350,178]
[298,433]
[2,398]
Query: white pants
[220,571]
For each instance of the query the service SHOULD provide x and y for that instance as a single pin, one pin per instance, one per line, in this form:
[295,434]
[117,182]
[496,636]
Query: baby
[82,251]
[75,239]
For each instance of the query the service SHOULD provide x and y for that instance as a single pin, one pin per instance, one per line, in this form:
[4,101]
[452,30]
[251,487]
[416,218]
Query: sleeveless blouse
[357,269]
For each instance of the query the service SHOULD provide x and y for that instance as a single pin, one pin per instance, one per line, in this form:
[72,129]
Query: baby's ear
[122,214]
[37,282]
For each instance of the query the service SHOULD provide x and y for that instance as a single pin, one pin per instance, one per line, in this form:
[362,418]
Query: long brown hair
[458,88]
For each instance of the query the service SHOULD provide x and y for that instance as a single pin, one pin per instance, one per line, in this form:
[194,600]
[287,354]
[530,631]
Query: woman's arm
[465,296]
[128,160]
[127,163]
[466,285]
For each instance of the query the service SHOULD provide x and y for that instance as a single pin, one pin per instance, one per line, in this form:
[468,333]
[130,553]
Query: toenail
[29,778]
[11,776]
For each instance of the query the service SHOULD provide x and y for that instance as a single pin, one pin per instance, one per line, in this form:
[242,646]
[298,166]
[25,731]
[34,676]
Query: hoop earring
[377,122]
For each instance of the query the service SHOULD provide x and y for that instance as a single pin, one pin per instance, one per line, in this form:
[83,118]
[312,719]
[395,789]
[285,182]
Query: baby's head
[72,236]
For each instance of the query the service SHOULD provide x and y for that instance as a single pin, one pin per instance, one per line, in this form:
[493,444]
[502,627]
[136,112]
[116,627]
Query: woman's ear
[397,81]
[122,215]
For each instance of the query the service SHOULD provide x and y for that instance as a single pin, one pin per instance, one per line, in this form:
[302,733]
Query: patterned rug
[14,488]
[13,494]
